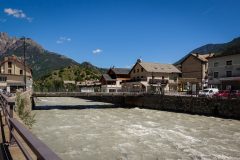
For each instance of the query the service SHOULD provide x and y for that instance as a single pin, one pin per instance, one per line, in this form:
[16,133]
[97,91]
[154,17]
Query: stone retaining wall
[193,105]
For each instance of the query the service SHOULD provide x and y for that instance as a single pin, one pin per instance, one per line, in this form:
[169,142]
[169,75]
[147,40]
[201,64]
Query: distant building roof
[69,82]
[157,67]
[120,70]
[202,57]
[107,77]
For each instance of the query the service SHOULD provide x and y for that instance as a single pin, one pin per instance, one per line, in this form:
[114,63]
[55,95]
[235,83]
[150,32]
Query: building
[224,71]
[112,81]
[194,70]
[12,74]
[89,86]
[152,77]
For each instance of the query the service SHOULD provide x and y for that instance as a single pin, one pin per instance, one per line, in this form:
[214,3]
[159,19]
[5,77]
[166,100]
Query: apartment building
[224,71]
[112,80]
[12,74]
[152,77]
[194,70]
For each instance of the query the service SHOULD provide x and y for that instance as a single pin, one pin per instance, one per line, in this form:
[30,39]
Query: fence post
[11,105]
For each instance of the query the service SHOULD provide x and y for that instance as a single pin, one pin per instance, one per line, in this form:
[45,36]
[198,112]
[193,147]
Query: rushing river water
[133,134]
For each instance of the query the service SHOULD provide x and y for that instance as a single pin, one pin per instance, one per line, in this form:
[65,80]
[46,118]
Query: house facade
[224,72]
[194,70]
[152,77]
[12,74]
[112,80]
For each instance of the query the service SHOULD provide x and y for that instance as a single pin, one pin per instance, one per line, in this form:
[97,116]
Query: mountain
[42,61]
[55,80]
[231,47]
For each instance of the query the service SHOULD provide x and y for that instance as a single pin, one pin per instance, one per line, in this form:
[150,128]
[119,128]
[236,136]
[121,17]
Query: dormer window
[9,64]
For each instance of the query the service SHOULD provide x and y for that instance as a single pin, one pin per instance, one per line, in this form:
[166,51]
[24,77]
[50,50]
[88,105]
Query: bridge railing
[20,135]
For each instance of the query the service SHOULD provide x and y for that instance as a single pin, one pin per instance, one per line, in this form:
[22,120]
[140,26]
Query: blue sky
[117,32]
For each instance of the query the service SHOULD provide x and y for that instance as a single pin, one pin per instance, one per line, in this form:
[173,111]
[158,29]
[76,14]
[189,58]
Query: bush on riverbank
[23,109]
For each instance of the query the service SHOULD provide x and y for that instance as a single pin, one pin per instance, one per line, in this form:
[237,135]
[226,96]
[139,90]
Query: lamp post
[24,62]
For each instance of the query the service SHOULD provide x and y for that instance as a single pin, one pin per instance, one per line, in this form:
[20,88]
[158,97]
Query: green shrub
[24,114]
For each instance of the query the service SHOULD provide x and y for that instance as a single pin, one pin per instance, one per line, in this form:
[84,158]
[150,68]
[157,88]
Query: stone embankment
[194,105]
[228,108]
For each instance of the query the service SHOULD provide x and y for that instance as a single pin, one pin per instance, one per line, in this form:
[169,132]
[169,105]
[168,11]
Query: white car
[208,92]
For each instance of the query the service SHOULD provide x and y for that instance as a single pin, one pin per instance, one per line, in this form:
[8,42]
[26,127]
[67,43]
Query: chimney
[139,60]
[197,54]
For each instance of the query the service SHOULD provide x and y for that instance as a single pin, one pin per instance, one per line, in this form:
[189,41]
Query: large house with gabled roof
[194,68]
[112,80]
[152,77]
[12,74]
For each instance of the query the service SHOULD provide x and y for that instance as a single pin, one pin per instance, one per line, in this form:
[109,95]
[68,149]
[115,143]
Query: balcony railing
[158,81]
[136,80]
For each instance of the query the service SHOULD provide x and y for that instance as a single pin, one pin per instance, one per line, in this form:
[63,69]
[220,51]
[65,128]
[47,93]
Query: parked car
[208,92]
[235,94]
[223,94]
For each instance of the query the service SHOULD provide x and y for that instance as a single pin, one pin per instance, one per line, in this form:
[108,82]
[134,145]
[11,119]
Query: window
[215,64]
[9,71]
[215,74]
[21,72]
[3,79]
[137,70]
[141,69]
[9,64]
[229,73]
[228,63]
[134,71]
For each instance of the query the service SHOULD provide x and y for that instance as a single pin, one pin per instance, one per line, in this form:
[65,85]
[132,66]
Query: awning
[145,84]
[230,79]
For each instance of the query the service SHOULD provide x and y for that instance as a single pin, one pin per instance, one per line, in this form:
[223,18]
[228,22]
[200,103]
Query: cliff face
[6,42]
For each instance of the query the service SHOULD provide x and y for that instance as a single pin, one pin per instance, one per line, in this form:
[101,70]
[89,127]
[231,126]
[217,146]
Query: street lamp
[24,57]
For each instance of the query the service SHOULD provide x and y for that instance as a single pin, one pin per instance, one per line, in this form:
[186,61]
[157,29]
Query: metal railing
[20,135]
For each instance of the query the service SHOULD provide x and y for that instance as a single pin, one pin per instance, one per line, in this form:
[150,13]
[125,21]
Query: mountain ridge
[42,61]
[230,47]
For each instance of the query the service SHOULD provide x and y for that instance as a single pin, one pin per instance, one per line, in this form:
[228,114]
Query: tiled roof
[157,67]
[202,57]
[107,77]
[120,70]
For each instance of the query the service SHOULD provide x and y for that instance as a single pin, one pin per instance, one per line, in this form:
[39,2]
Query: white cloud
[97,51]
[63,39]
[17,13]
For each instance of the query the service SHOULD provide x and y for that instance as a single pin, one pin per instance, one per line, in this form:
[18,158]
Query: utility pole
[24,56]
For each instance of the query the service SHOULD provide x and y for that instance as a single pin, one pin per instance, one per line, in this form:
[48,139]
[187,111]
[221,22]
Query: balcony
[158,81]
[136,80]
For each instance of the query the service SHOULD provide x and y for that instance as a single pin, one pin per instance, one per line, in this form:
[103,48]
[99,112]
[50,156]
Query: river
[133,134]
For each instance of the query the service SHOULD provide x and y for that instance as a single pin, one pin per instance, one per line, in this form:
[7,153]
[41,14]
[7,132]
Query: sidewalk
[11,152]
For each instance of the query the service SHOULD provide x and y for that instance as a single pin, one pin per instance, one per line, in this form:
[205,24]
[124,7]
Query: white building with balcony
[224,71]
